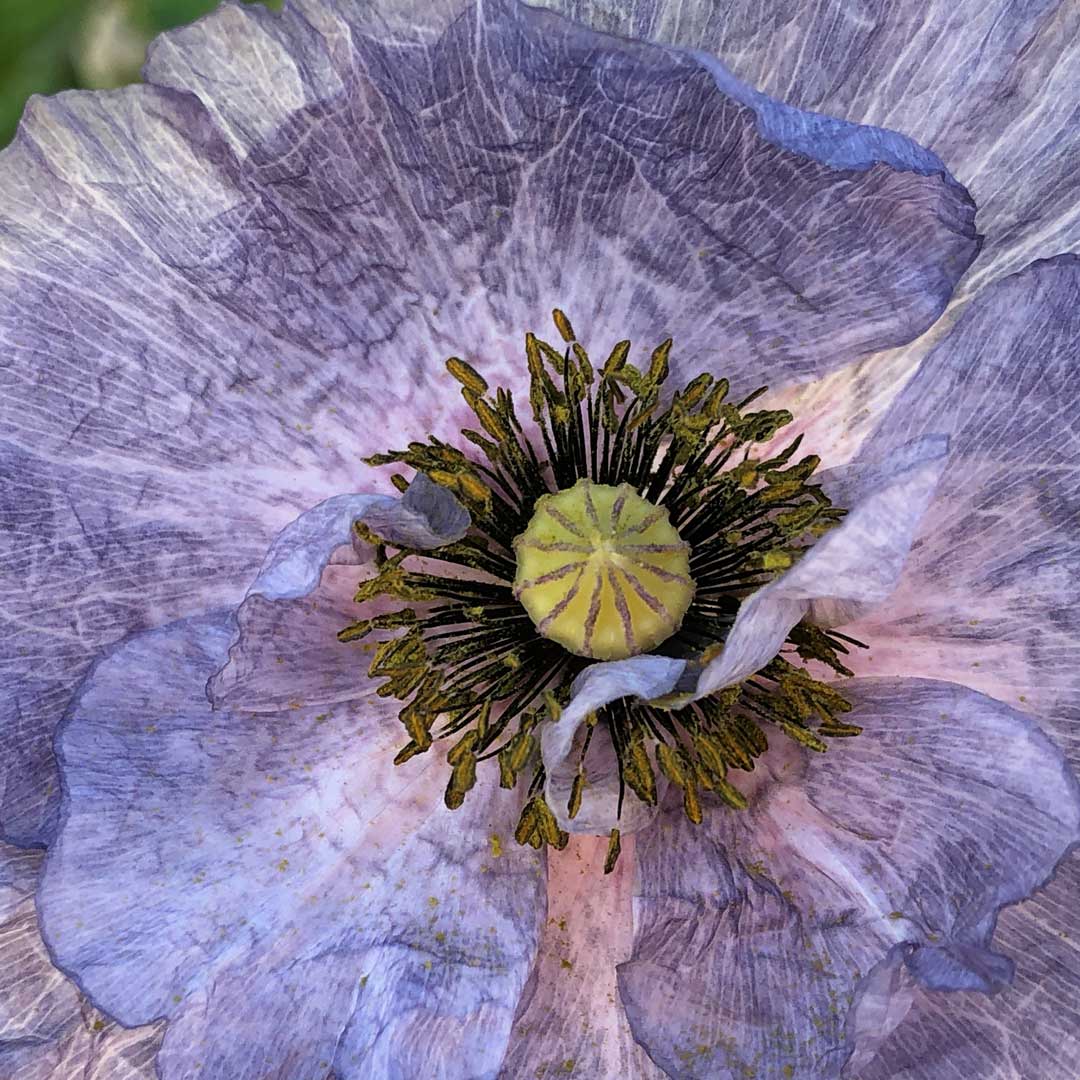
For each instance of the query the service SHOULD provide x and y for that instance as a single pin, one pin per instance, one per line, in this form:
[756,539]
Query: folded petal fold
[779,944]
[988,85]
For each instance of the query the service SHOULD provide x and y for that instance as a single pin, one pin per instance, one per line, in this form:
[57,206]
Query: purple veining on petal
[776,945]
[36,1001]
[213,285]
[272,886]
[1032,1030]
[988,86]
[990,595]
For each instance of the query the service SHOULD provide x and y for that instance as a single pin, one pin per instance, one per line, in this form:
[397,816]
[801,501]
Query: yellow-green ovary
[603,572]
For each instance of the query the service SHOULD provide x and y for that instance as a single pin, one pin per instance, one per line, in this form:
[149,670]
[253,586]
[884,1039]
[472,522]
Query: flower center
[602,571]
[630,518]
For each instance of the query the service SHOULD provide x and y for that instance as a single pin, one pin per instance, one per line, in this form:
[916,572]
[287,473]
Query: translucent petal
[560,744]
[273,887]
[776,941]
[990,595]
[988,86]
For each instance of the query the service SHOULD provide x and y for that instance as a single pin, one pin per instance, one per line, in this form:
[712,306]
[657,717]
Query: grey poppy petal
[613,217]
[427,516]
[47,1030]
[990,596]
[1032,1030]
[988,86]
[36,1000]
[286,653]
[273,887]
[570,1020]
[91,1047]
[300,552]
[795,934]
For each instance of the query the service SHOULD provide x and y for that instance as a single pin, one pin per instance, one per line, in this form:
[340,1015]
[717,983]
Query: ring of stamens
[463,654]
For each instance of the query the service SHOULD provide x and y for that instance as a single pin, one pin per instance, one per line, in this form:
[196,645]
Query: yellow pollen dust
[603,572]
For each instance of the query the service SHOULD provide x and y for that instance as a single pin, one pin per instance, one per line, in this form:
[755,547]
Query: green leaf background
[51,45]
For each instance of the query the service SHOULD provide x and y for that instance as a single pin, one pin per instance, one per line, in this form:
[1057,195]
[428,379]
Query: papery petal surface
[570,1019]
[1031,1031]
[286,652]
[270,885]
[854,567]
[991,592]
[600,684]
[47,1030]
[36,1000]
[989,599]
[792,936]
[989,87]
[90,1046]
[211,284]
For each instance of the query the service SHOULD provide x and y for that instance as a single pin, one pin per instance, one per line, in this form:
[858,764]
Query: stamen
[641,525]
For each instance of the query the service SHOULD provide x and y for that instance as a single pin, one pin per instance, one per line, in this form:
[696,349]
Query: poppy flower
[395,687]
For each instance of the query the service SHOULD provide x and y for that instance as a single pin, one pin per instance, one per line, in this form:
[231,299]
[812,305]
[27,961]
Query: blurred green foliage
[50,45]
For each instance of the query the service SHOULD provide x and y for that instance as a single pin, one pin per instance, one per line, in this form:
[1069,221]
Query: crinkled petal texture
[989,85]
[47,1030]
[990,598]
[221,289]
[271,885]
[260,874]
[788,940]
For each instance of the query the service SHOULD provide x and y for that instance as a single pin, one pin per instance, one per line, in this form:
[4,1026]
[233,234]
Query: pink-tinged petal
[838,412]
[1032,1031]
[788,938]
[286,652]
[221,289]
[571,1020]
[990,87]
[273,887]
[990,596]
[852,568]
